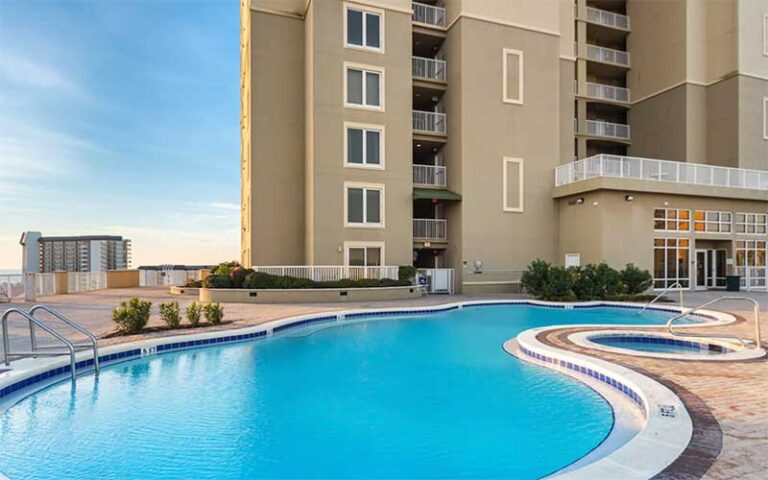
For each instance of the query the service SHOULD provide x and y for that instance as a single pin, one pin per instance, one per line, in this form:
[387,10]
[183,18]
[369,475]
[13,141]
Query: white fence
[607,129]
[430,229]
[11,287]
[437,280]
[86,281]
[610,19]
[430,68]
[661,171]
[167,278]
[432,122]
[608,55]
[328,273]
[429,175]
[607,92]
[427,14]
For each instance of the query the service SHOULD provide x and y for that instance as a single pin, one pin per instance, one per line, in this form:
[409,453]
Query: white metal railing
[328,273]
[610,19]
[608,55]
[607,92]
[428,14]
[433,122]
[437,280]
[430,68]
[167,277]
[11,286]
[86,281]
[638,168]
[429,175]
[430,229]
[607,129]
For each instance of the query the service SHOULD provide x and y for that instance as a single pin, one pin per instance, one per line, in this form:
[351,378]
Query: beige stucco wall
[659,125]
[122,278]
[753,146]
[723,123]
[331,295]
[752,59]
[325,220]
[273,181]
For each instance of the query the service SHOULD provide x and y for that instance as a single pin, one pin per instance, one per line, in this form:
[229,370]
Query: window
[765,118]
[751,223]
[364,205]
[364,145]
[711,222]
[765,34]
[512,65]
[364,87]
[671,220]
[671,262]
[364,254]
[363,28]
[572,260]
[512,190]
[751,262]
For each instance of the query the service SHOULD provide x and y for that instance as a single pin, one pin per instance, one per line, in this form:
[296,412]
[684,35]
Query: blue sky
[121,117]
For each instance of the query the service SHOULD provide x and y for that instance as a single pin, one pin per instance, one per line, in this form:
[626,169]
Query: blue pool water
[424,396]
[660,345]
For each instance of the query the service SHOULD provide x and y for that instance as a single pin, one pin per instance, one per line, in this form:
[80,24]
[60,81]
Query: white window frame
[520,163]
[677,220]
[365,11]
[366,127]
[765,34]
[576,256]
[667,279]
[382,200]
[746,223]
[505,54]
[765,118]
[719,222]
[349,245]
[364,68]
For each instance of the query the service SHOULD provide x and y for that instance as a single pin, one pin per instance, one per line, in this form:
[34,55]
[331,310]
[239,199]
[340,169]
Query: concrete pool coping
[27,369]
[737,353]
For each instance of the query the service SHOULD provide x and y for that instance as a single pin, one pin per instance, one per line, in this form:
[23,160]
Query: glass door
[702,269]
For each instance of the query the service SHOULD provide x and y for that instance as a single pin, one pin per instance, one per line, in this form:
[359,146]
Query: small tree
[560,283]
[132,316]
[635,280]
[214,313]
[536,277]
[193,313]
[169,312]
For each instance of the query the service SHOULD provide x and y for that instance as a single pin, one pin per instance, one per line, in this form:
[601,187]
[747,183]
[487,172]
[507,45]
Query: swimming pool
[424,395]
[659,344]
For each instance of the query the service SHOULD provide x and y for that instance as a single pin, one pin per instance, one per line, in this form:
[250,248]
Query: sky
[121,117]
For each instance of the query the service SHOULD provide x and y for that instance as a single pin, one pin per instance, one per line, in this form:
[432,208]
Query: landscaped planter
[311,295]
[176,290]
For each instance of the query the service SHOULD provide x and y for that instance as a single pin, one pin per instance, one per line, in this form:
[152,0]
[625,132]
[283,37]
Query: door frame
[703,252]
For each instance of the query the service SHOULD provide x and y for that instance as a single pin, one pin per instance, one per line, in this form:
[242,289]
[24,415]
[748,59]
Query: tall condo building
[88,253]
[479,135]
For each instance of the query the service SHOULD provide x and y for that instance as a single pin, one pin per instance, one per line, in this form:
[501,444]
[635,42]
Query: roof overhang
[435,194]
[651,186]
[297,8]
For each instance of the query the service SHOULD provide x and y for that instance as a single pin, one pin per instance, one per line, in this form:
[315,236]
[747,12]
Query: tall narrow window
[364,87]
[671,262]
[513,78]
[512,188]
[363,29]
[765,34]
[364,205]
[364,146]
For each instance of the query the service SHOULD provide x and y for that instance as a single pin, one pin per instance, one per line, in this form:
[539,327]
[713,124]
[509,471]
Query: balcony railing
[431,122]
[608,55]
[607,92]
[430,68]
[609,19]
[432,175]
[607,129]
[637,168]
[430,229]
[429,15]
[325,273]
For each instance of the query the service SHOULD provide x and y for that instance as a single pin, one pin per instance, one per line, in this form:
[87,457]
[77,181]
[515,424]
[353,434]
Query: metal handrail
[7,342]
[76,326]
[756,310]
[674,285]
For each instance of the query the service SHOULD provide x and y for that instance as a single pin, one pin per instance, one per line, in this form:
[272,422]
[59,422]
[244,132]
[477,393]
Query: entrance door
[702,270]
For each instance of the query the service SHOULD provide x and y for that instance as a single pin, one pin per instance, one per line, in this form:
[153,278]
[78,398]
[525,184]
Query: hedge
[590,282]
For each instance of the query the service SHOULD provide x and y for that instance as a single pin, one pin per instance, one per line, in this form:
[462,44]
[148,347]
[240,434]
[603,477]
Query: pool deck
[728,401]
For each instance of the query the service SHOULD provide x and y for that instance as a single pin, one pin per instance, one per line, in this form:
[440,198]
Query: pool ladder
[71,348]
[676,285]
[743,342]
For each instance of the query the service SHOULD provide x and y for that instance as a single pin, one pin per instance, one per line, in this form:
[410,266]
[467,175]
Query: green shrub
[225,268]
[265,281]
[536,277]
[406,273]
[193,284]
[560,281]
[131,316]
[217,281]
[214,313]
[237,276]
[585,287]
[169,312]
[608,281]
[635,280]
[193,313]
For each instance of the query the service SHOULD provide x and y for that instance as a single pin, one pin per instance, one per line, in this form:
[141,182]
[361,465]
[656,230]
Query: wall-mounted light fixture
[629,198]
[579,200]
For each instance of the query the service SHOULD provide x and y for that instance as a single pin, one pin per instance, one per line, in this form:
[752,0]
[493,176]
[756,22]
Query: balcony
[637,168]
[429,69]
[607,92]
[598,128]
[429,122]
[608,19]
[430,229]
[429,175]
[428,15]
[608,55]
